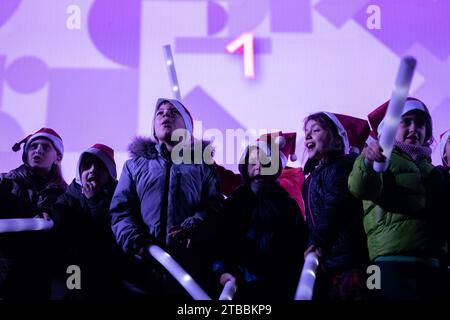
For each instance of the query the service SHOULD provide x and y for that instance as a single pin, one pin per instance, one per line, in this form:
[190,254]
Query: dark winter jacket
[263,240]
[25,257]
[85,239]
[335,217]
[154,194]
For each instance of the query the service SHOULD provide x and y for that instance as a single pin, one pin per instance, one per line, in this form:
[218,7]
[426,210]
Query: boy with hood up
[264,234]
[174,204]
[83,228]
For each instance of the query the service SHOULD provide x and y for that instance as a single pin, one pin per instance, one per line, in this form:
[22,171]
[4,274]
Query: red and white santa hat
[105,154]
[284,141]
[353,131]
[185,114]
[376,117]
[444,138]
[45,133]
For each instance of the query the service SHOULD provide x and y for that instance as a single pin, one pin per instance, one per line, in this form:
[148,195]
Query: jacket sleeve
[127,224]
[210,210]
[335,198]
[384,189]
[364,183]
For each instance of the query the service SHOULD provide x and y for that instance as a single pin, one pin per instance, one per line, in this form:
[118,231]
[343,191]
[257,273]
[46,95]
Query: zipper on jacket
[165,201]
[309,202]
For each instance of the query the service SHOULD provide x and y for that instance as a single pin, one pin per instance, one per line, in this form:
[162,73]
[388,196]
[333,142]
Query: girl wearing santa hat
[333,215]
[25,192]
[403,218]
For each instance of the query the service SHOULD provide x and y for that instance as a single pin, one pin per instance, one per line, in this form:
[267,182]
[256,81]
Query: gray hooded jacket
[153,195]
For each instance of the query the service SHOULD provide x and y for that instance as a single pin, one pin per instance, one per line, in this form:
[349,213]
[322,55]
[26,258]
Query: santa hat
[284,141]
[102,152]
[45,133]
[353,131]
[266,142]
[187,118]
[444,139]
[376,117]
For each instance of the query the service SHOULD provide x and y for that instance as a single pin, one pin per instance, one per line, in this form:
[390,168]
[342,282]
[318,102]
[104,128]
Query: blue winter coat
[335,217]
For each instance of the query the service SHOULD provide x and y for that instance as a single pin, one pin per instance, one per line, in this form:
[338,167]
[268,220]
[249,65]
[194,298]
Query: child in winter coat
[83,227]
[264,234]
[26,192]
[333,215]
[165,197]
[403,217]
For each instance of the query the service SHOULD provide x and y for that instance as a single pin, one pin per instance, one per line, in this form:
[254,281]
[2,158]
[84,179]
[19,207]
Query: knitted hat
[376,117]
[45,133]
[187,118]
[102,152]
[444,139]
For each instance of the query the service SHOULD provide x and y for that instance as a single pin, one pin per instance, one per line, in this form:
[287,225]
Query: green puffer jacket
[402,214]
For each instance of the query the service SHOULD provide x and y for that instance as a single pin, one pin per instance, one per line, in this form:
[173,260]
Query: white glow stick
[308,277]
[394,111]
[229,289]
[170,64]
[178,273]
[21,225]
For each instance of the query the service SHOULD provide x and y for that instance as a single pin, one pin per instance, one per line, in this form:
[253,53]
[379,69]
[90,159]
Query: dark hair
[243,167]
[429,139]
[327,124]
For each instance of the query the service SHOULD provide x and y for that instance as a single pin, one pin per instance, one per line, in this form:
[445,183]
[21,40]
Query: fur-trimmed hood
[147,147]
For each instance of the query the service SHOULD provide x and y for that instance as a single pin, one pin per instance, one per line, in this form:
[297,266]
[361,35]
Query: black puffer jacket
[335,217]
[25,257]
[263,240]
[85,239]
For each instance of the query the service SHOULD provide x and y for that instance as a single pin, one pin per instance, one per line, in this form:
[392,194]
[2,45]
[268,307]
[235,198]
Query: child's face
[412,129]
[257,159]
[317,140]
[167,120]
[93,170]
[41,155]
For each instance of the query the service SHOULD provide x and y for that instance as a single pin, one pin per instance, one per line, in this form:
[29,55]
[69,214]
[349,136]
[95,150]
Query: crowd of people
[256,235]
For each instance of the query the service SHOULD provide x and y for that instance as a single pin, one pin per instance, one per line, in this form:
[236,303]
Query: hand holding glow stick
[394,111]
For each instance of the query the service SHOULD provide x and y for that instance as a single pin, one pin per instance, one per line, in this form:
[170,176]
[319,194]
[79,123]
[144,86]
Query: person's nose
[39,149]
[92,169]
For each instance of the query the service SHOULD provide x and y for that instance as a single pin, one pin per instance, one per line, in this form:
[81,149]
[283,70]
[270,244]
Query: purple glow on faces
[308,58]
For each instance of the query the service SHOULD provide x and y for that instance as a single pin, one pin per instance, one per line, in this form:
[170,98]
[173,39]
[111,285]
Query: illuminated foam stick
[308,277]
[394,111]
[229,289]
[21,225]
[170,64]
[178,273]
